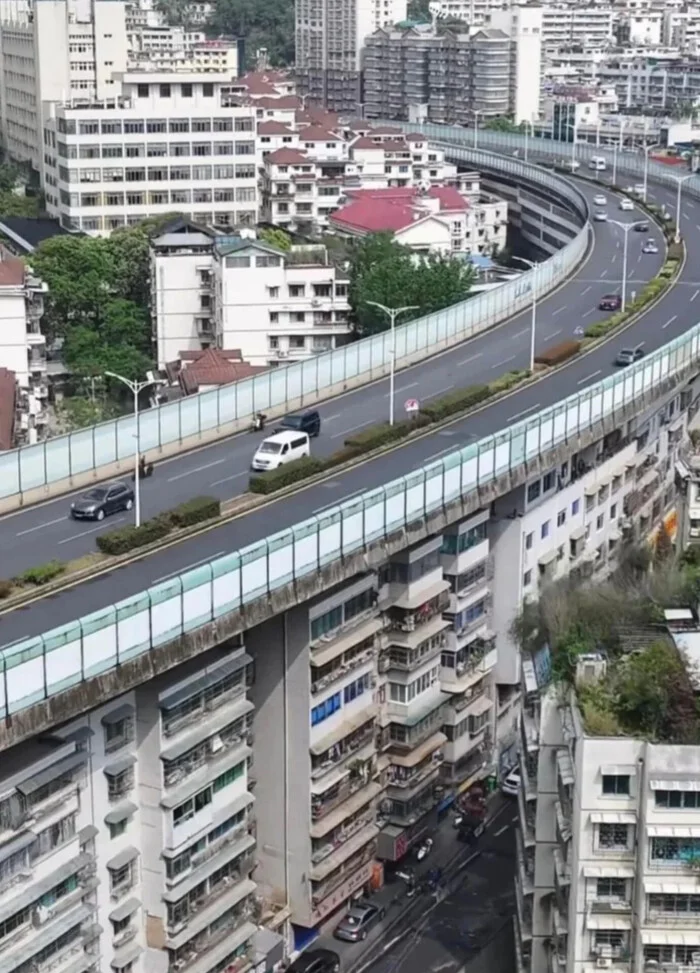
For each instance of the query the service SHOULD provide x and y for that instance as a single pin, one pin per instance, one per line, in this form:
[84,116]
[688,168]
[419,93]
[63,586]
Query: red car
[611,302]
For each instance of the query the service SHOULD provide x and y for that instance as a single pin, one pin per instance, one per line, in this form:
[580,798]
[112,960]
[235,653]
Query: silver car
[357,922]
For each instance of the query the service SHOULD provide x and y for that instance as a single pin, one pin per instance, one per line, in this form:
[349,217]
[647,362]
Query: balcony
[322,890]
[354,744]
[470,664]
[235,884]
[404,780]
[322,679]
[354,839]
[350,805]
[333,793]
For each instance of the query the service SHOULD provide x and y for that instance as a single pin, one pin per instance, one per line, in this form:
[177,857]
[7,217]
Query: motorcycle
[424,849]
[145,470]
[409,878]
[259,422]
[458,819]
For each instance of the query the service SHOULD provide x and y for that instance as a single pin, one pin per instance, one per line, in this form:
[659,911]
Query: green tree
[384,271]
[78,273]
[119,343]
[80,412]
[276,238]
[418,11]
[12,204]
[262,23]
[501,124]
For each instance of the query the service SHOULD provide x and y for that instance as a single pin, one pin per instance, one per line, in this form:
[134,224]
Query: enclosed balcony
[326,761]
[461,667]
[331,791]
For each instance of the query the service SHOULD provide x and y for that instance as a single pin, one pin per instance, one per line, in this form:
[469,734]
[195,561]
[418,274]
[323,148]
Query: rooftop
[383,210]
[28,233]
[271,127]
[12,269]
[212,367]
[285,157]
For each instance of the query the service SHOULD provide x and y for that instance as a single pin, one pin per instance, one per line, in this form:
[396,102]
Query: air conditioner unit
[282,353]
[603,963]
[315,302]
[216,744]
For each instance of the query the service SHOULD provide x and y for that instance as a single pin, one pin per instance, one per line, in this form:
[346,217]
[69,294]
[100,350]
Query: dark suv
[316,961]
[308,422]
[611,302]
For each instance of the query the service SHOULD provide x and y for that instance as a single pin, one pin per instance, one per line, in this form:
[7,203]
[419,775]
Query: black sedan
[316,961]
[102,501]
[611,302]
[357,922]
[628,356]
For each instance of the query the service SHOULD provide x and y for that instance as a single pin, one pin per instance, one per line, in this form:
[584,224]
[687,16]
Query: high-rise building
[329,39]
[57,51]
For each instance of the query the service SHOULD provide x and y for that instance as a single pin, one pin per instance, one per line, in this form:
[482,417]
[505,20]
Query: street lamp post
[135,388]
[614,172]
[529,125]
[533,328]
[476,112]
[393,313]
[625,227]
[573,147]
[680,180]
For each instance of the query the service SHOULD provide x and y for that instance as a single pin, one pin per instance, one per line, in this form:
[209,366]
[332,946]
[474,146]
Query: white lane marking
[603,273]
[686,215]
[501,830]
[614,258]
[586,290]
[403,388]
[617,245]
[504,362]
[430,395]
[553,334]
[586,313]
[448,449]
[466,361]
[515,819]
[670,321]
[521,333]
[93,530]
[227,479]
[198,469]
[519,415]
[694,295]
[49,523]
[344,432]
[558,311]
[639,257]
[210,557]
[331,418]
[588,377]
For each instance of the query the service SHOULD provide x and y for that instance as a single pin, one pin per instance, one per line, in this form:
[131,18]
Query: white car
[600,200]
[626,204]
[511,784]
[571,164]
[636,190]
[650,247]
[600,217]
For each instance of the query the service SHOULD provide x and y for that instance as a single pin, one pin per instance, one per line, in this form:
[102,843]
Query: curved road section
[497,351]
[39,534]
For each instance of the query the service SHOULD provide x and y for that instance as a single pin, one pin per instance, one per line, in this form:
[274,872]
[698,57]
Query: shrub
[129,538]
[675,251]
[600,329]
[194,511]
[375,436]
[508,381]
[5,589]
[455,402]
[42,573]
[558,353]
[295,472]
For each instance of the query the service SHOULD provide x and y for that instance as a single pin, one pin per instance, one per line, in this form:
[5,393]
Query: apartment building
[577,26]
[307,173]
[178,49]
[524,26]
[169,142]
[442,76]
[232,292]
[59,50]
[23,348]
[128,835]
[329,38]
[607,843]
[436,220]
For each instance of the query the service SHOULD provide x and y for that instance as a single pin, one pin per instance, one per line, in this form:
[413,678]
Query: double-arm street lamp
[626,228]
[135,388]
[533,266]
[680,180]
[393,313]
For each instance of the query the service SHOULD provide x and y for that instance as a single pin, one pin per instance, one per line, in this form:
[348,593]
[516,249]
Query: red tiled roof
[258,86]
[391,210]
[414,137]
[11,269]
[365,142]
[283,102]
[271,127]
[230,354]
[385,130]
[8,385]
[285,157]
[317,134]
[214,367]
[394,145]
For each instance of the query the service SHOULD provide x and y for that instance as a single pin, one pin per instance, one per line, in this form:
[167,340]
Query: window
[164,90]
[324,710]
[561,518]
[186,90]
[548,482]
[600,520]
[527,579]
[297,317]
[678,800]
[533,491]
[544,530]
[118,734]
[154,125]
[528,541]
[208,90]
[575,507]
[142,90]
[183,812]
[297,341]
[613,511]
[357,688]
[459,543]
[613,837]
[120,784]
[616,784]
[680,850]
[611,888]
[223,124]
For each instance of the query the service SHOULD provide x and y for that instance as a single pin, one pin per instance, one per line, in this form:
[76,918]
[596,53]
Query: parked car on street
[316,961]
[357,922]
[100,502]
[610,302]
[511,784]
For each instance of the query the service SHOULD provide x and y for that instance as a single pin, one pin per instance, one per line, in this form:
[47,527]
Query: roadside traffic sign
[411,405]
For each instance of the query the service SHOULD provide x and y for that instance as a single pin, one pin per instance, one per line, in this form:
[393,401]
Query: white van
[279,449]
[598,163]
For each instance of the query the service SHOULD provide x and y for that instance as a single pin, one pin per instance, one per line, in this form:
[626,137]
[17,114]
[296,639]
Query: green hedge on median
[194,511]
[41,574]
[454,402]
[5,589]
[299,469]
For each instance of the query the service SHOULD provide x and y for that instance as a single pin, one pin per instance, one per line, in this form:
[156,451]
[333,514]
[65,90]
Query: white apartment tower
[171,142]
[329,39]
[59,50]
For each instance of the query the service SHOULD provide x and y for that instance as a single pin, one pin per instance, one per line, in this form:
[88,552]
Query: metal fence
[201,417]
[37,668]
